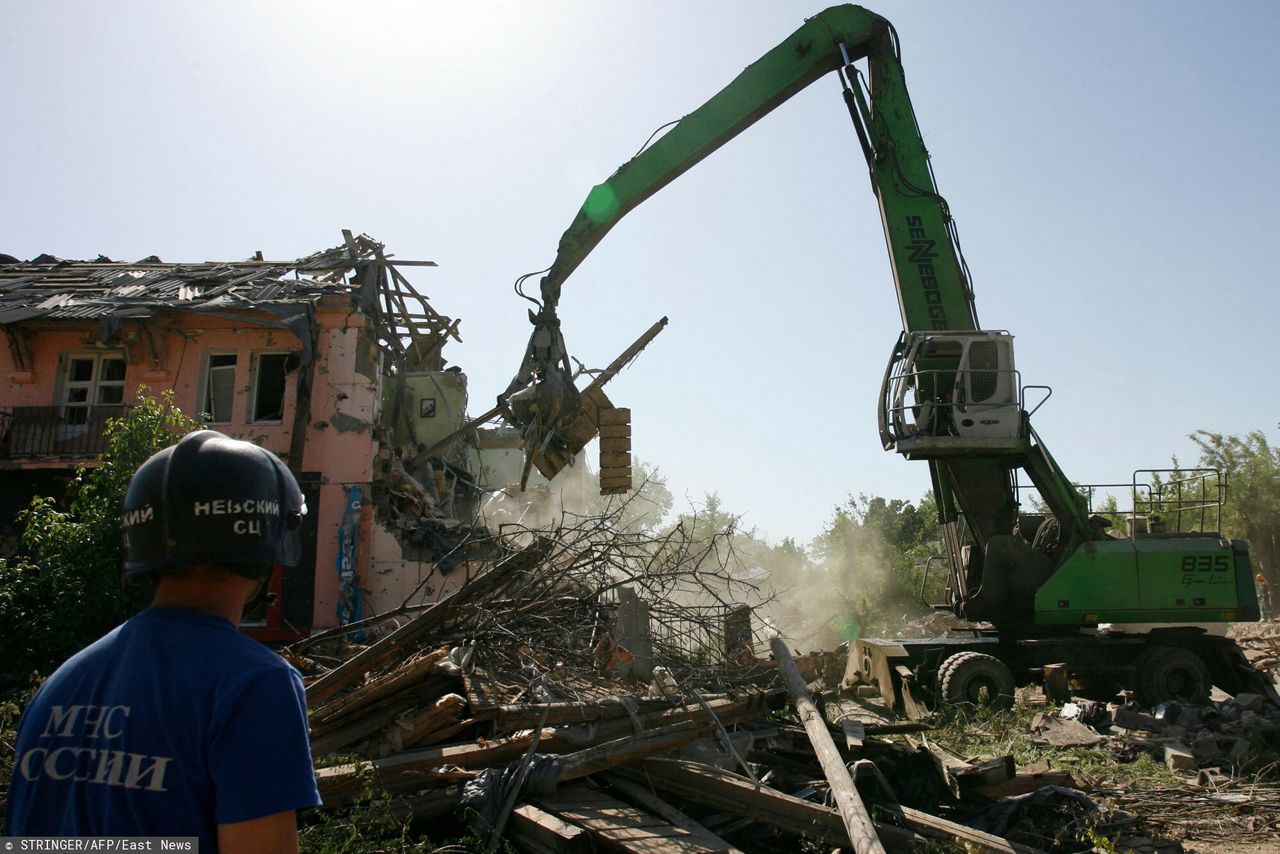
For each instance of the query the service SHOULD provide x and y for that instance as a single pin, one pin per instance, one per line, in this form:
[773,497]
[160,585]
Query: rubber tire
[1170,673]
[941,675]
[962,677]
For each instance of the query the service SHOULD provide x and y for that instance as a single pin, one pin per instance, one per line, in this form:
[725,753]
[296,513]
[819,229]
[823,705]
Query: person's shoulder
[260,658]
[222,640]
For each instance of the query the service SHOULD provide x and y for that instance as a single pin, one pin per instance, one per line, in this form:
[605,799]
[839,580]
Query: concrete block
[1177,757]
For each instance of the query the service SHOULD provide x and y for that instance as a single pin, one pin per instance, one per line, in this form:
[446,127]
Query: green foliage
[64,589]
[11,706]
[874,553]
[371,825]
[715,539]
[1252,469]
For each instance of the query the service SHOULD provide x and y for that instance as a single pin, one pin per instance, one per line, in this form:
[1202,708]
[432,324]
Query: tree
[64,588]
[871,558]
[643,508]
[1252,468]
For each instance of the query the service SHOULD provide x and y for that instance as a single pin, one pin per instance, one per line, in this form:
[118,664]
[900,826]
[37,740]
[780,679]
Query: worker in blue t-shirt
[174,723]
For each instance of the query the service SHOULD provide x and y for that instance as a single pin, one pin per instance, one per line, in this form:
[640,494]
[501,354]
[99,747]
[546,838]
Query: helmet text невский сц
[211,499]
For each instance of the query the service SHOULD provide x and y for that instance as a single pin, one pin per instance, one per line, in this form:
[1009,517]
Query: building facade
[332,361]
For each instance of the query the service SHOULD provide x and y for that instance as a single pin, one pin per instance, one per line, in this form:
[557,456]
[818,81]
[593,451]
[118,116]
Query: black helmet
[212,499]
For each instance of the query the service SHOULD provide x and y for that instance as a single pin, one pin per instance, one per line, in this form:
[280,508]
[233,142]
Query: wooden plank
[626,356]
[616,415]
[528,822]
[616,431]
[444,712]
[857,821]
[614,459]
[646,799]
[626,828]
[729,710]
[616,471]
[989,772]
[523,716]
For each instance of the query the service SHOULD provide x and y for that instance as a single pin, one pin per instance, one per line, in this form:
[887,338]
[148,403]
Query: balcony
[71,432]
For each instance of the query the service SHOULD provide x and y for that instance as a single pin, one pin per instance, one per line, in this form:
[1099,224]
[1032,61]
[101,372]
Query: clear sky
[1113,168]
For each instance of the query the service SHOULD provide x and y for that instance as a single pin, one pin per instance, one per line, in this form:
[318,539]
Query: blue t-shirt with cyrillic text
[169,725]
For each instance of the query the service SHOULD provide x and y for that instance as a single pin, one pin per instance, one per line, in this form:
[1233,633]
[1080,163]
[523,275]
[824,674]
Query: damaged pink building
[332,361]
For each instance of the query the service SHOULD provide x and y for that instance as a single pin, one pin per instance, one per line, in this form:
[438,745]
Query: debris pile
[598,687]
[1223,754]
[1260,642]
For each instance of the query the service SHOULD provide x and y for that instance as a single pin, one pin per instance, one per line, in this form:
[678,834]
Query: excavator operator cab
[948,394]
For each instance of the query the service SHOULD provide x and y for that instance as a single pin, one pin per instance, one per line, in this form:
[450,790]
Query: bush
[64,589]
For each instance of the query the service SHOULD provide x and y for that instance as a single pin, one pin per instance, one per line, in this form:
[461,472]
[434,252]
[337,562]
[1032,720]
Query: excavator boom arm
[933,290]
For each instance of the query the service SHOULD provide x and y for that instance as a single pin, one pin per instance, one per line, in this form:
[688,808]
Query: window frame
[255,378]
[93,386]
[206,375]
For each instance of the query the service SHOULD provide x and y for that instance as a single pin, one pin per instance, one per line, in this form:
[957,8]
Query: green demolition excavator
[1140,609]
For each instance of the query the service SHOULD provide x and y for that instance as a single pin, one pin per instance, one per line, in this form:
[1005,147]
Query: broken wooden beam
[857,821]
[411,673]
[335,738]
[724,790]
[624,751]
[444,713]
[728,710]
[340,784]
[733,793]
[525,715]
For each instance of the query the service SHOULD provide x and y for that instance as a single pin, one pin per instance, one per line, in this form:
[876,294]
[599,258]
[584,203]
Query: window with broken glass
[270,373]
[219,387]
[91,379]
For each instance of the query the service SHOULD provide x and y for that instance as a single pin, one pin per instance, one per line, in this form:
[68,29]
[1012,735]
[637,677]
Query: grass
[984,732]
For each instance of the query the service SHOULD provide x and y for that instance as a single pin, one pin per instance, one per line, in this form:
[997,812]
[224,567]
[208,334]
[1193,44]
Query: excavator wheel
[1164,673]
[975,679]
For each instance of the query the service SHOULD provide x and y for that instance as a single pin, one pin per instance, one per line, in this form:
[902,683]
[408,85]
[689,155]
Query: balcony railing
[55,431]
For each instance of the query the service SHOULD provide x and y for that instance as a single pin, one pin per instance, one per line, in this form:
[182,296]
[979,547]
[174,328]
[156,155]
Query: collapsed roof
[108,291]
